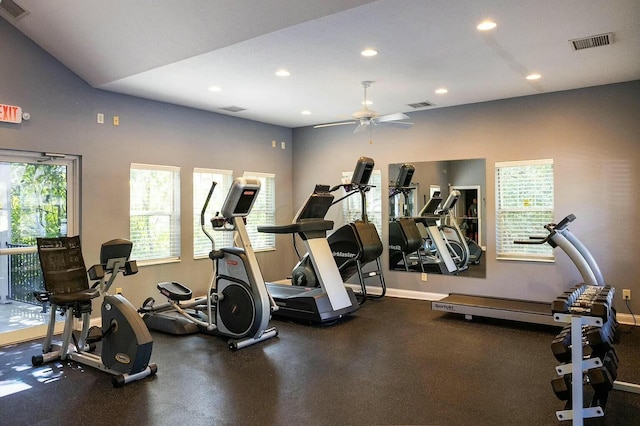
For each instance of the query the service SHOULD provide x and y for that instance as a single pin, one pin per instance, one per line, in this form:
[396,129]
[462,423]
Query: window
[351,208]
[263,212]
[154,216]
[524,204]
[202,181]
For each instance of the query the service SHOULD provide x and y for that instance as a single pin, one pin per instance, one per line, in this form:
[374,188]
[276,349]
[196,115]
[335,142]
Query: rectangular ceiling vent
[592,41]
[233,109]
[421,104]
[15,11]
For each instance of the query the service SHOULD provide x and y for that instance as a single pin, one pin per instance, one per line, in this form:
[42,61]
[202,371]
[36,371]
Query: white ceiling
[173,51]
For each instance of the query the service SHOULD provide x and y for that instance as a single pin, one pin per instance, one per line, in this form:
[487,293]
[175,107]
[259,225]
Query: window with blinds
[351,207]
[263,212]
[154,212]
[524,204]
[202,181]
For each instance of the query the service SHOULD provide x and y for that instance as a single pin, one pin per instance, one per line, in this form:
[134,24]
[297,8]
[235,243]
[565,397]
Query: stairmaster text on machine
[343,254]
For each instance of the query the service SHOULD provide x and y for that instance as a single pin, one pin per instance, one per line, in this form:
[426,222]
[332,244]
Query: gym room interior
[111,86]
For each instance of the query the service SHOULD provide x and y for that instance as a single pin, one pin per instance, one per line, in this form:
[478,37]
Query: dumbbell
[596,341]
[562,387]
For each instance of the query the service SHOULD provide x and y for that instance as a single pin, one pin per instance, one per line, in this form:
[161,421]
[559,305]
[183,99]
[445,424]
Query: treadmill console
[431,207]
[316,207]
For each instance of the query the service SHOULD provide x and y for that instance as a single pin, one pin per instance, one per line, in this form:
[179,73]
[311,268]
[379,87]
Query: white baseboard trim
[402,294]
[413,294]
[626,319]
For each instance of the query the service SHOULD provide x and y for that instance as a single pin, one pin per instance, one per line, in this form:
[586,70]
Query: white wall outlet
[100,118]
[116,120]
[274,144]
[424,276]
[283,145]
[626,294]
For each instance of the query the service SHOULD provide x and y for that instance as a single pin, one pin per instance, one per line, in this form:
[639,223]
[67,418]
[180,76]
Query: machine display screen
[316,207]
[243,206]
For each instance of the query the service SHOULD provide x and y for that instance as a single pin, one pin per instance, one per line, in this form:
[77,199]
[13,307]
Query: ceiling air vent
[15,11]
[592,41]
[421,104]
[233,109]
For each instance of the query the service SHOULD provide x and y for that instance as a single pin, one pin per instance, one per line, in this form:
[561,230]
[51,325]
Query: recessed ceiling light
[369,52]
[441,91]
[534,76]
[215,89]
[283,73]
[306,112]
[486,25]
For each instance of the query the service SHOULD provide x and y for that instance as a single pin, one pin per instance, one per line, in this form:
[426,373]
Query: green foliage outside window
[38,202]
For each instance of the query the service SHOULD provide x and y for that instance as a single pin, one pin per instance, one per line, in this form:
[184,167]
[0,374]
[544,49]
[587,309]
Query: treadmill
[524,310]
[330,301]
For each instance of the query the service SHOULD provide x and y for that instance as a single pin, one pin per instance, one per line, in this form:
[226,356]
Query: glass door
[38,198]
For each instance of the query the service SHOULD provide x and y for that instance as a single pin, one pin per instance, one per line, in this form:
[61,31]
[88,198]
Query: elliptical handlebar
[202,213]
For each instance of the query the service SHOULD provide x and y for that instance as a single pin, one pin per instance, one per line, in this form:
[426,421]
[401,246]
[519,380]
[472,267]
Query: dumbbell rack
[579,311]
[576,368]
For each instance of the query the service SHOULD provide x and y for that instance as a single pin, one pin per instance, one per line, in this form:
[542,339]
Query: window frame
[174,213]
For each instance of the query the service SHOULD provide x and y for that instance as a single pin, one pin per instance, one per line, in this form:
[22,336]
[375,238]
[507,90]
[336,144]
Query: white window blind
[202,180]
[524,204]
[263,212]
[154,216]
[351,206]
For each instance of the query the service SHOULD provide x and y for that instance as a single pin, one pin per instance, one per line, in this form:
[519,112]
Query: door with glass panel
[38,193]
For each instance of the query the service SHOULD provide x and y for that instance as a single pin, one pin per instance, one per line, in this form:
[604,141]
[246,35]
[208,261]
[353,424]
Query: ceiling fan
[367,117]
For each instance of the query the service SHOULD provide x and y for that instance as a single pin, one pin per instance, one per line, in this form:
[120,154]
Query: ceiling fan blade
[361,127]
[342,123]
[400,124]
[392,117]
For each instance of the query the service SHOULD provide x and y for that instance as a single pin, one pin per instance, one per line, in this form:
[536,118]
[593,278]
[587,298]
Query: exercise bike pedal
[95,335]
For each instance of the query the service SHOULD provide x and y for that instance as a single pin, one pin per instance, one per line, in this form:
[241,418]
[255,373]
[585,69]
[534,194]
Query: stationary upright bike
[125,340]
[237,304]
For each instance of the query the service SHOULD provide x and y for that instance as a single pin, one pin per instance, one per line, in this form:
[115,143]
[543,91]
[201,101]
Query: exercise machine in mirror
[436,217]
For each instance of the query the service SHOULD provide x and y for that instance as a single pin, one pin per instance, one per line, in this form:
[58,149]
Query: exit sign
[10,114]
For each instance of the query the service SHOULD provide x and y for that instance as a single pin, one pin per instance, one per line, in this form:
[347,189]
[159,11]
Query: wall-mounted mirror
[436,217]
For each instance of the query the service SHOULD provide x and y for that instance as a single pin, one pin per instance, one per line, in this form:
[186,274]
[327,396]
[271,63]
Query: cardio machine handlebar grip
[206,203]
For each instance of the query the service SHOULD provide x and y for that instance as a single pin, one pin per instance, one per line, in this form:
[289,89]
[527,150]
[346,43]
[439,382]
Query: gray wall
[593,136]
[63,120]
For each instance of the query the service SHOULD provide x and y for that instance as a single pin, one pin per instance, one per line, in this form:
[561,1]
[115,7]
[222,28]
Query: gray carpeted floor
[394,362]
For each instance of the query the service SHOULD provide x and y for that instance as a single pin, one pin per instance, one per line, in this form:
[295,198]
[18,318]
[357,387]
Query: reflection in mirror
[436,217]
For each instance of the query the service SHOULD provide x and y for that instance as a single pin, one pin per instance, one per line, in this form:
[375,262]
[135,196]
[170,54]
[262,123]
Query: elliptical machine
[237,304]
[126,342]
[443,238]
[467,250]
[353,245]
